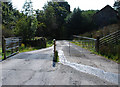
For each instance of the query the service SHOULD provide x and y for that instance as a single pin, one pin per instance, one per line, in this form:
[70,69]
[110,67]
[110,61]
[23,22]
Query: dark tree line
[117,6]
[9,18]
[15,23]
[54,21]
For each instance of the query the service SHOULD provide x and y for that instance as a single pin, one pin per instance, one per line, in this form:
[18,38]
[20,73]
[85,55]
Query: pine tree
[28,8]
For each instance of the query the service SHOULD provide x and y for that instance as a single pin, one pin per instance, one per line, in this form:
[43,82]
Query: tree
[25,28]
[27,25]
[117,6]
[54,19]
[9,18]
[88,23]
[7,13]
[74,22]
[41,30]
[79,22]
[40,15]
[28,8]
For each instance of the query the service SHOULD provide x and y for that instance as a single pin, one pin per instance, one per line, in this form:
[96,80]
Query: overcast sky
[82,4]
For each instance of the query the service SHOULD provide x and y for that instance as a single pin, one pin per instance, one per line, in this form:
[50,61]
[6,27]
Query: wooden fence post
[18,46]
[20,41]
[97,44]
[54,59]
[3,47]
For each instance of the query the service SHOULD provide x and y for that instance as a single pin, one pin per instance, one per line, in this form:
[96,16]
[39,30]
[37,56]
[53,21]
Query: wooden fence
[97,44]
[87,42]
[112,38]
[10,46]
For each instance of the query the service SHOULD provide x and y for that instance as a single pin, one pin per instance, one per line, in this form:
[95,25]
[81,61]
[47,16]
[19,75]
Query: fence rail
[84,37]
[100,44]
[10,46]
[87,42]
[113,38]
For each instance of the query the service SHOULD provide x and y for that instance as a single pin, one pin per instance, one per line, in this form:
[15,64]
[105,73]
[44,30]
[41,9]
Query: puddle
[110,77]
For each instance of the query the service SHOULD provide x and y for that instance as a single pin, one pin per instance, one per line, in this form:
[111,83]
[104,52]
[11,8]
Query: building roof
[107,6]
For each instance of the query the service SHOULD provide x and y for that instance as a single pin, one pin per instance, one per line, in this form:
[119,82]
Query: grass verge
[29,48]
[24,48]
[0,50]
[111,57]
[49,43]
[0,53]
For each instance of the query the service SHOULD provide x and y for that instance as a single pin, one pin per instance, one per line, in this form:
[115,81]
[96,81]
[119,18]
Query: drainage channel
[110,77]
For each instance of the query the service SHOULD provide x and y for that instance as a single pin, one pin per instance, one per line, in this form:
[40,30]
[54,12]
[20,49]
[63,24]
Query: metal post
[4,47]
[12,45]
[54,59]
[69,48]
[97,44]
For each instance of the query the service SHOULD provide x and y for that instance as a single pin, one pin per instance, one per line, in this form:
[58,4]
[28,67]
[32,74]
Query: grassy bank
[27,48]
[24,48]
[0,53]
[49,43]
[108,52]
[0,50]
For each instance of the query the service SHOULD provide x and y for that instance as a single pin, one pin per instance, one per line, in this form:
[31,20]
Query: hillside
[103,31]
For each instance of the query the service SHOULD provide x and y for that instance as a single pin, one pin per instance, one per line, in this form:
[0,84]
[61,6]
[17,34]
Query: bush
[7,32]
[38,42]
[22,46]
[111,51]
[102,32]
[26,28]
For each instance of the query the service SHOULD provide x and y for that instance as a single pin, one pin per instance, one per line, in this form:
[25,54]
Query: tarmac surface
[37,68]
[87,62]
[82,56]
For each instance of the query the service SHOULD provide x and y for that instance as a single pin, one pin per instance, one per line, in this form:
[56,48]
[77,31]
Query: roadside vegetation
[0,53]
[27,48]
[102,31]
[111,52]
[38,28]
[53,22]
[0,50]
[49,43]
[24,48]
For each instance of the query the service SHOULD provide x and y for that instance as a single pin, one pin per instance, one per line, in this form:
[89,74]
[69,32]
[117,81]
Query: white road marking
[110,77]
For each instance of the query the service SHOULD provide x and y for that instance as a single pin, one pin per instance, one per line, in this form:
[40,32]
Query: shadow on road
[54,64]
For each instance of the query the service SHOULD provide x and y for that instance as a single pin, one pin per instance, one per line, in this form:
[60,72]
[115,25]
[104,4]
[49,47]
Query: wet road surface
[37,68]
[85,61]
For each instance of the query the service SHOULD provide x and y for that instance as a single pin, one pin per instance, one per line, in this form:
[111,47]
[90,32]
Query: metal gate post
[54,59]
[3,47]
[97,44]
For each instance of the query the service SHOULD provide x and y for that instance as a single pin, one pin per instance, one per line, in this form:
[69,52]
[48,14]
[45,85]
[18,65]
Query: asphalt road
[79,55]
[37,68]
[87,62]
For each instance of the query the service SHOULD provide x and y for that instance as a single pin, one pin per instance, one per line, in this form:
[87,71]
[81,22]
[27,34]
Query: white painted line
[110,77]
